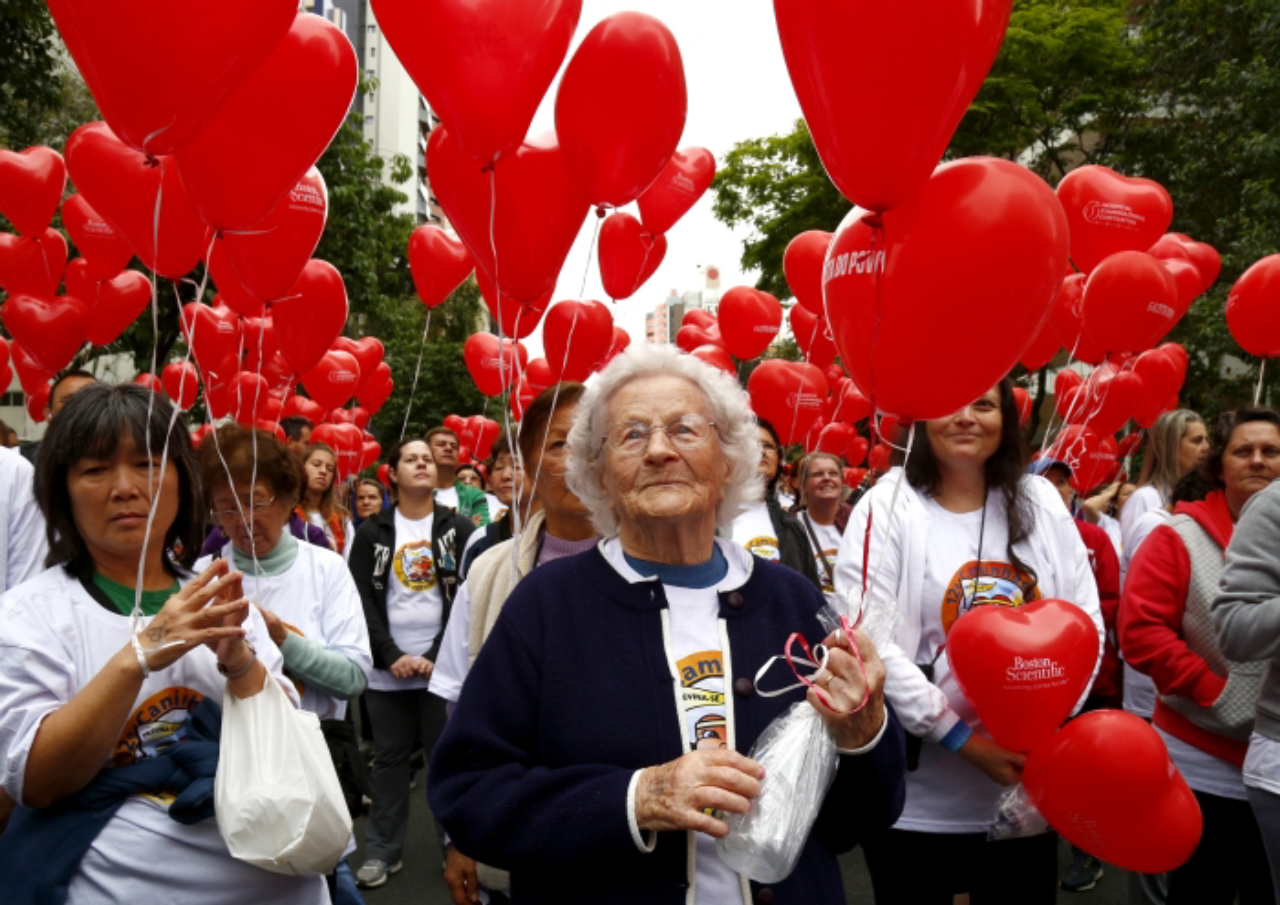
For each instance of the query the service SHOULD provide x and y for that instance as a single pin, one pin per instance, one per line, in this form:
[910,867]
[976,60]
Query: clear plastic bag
[800,761]
[1016,816]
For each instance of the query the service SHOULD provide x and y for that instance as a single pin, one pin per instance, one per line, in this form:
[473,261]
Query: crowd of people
[572,632]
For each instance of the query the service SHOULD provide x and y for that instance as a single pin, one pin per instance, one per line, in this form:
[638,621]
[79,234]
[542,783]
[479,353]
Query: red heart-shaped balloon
[576,335]
[369,452]
[716,357]
[1187,278]
[699,317]
[455,423]
[856,452]
[539,209]
[105,250]
[137,59]
[1097,465]
[1130,302]
[38,403]
[268,258]
[749,321]
[378,388]
[120,300]
[802,264]
[303,407]
[31,374]
[1108,213]
[125,187]
[487,79]
[681,183]
[928,67]
[789,395]
[836,437]
[181,383]
[51,330]
[540,375]
[311,316]
[247,395]
[619,128]
[628,255]
[212,333]
[1023,668]
[32,265]
[1113,401]
[31,184]
[1066,320]
[853,477]
[493,367]
[691,337]
[1024,402]
[1042,349]
[1130,444]
[984,241]
[287,121]
[360,417]
[80,281]
[621,339]
[368,351]
[333,380]
[439,264]
[260,342]
[852,406]
[1106,782]
[1253,308]
[813,335]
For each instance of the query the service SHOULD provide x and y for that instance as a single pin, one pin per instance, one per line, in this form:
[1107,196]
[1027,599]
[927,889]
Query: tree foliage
[29,88]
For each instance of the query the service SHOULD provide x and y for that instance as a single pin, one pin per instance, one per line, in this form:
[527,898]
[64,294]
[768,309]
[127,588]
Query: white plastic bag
[800,762]
[277,797]
[1016,816]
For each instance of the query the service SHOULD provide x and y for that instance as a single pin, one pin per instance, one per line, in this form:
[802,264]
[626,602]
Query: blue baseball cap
[1044,463]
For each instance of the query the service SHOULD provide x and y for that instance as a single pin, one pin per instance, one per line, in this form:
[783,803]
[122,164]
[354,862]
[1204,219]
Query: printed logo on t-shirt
[414,566]
[763,547]
[826,559]
[997,584]
[159,721]
[702,700]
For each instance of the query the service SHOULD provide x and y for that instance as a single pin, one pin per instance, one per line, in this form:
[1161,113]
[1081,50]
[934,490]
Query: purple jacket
[297,527]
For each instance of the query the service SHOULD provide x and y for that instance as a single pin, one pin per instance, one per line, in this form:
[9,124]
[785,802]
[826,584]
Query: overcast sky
[738,89]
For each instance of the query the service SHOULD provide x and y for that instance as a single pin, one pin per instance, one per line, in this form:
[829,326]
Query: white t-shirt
[947,794]
[448,497]
[1202,771]
[753,529]
[696,660]
[54,639]
[317,599]
[348,533]
[1262,764]
[22,530]
[1112,528]
[453,664]
[828,546]
[1140,502]
[415,606]
[1139,688]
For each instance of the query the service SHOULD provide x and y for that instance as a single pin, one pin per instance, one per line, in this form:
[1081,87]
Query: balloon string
[151,399]
[1048,431]
[416,371]
[1262,373]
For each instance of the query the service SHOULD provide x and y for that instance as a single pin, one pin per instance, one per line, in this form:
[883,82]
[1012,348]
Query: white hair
[727,403]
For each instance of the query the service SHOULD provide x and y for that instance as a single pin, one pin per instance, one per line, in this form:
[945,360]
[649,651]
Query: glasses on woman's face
[686,432]
[255,508]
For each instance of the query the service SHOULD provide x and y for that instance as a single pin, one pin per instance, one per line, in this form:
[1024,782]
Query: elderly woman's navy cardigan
[572,693]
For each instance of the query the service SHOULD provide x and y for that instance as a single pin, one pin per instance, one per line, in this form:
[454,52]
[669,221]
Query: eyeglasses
[687,432]
[223,515]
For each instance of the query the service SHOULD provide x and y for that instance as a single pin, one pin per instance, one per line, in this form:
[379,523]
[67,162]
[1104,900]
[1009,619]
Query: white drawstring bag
[277,797]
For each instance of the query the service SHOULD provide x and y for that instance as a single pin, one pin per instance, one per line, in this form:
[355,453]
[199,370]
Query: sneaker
[1083,873]
[374,873]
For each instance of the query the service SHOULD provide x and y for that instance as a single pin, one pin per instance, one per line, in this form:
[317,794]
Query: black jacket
[794,549]
[371,554]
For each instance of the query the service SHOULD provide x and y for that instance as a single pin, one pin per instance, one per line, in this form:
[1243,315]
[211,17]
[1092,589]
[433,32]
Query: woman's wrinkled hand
[677,795]
[208,611]
[846,687]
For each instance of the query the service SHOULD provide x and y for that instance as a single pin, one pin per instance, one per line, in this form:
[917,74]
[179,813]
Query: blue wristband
[954,740]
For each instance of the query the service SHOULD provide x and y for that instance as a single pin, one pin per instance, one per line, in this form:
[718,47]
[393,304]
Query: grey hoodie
[1247,608]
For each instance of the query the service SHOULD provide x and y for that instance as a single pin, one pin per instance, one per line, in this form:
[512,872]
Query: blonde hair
[1160,467]
[727,402]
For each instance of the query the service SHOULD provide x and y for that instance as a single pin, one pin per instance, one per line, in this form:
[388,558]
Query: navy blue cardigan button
[743,687]
[735,600]
[764,896]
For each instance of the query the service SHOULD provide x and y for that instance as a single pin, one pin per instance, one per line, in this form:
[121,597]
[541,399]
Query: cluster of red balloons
[1024,670]
[745,324]
[476,435]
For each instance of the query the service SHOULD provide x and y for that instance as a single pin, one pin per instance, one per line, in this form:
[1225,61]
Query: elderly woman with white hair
[598,742]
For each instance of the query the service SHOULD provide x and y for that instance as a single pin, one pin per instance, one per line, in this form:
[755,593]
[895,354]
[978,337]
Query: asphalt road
[421,881]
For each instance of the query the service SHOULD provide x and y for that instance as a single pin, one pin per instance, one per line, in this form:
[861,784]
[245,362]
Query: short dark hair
[1191,487]
[538,415]
[394,454]
[772,484]
[470,466]
[1220,439]
[500,447]
[441,430]
[293,426]
[67,375]
[248,454]
[90,426]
